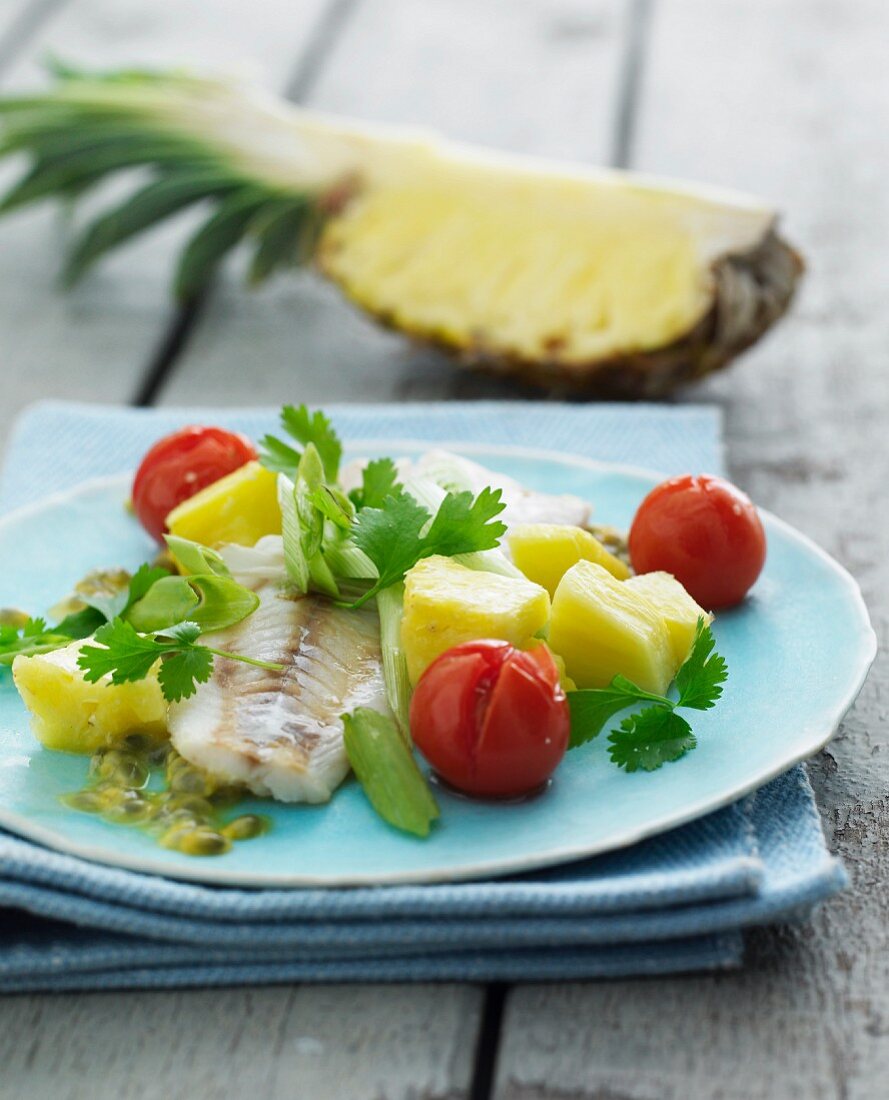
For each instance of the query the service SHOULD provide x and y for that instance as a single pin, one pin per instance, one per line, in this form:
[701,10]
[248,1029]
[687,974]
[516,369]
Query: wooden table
[789,98]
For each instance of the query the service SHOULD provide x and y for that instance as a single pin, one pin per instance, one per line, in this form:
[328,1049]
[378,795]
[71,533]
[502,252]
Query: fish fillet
[281,733]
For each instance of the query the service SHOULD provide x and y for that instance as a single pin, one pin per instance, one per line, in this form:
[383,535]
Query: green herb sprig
[656,735]
[127,656]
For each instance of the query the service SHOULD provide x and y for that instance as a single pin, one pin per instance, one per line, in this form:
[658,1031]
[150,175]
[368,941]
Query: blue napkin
[676,902]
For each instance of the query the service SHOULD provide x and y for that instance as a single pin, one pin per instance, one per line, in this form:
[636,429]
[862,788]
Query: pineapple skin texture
[446,604]
[602,628]
[239,508]
[546,551]
[675,606]
[71,715]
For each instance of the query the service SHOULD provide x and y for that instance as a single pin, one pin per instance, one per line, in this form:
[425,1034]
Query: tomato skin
[491,719]
[704,531]
[180,465]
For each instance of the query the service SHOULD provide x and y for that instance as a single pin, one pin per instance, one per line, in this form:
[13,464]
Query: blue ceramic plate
[798,651]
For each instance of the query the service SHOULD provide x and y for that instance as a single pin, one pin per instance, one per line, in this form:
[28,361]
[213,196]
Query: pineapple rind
[446,604]
[71,715]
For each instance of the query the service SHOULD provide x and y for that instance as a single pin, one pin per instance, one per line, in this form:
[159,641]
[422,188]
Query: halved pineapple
[675,606]
[601,281]
[446,604]
[546,551]
[69,714]
[601,627]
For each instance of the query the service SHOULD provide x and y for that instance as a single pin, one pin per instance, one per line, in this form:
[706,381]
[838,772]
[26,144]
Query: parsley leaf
[126,656]
[653,737]
[701,677]
[305,427]
[180,673]
[31,638]
[392,535]
[657,734]
[379,479]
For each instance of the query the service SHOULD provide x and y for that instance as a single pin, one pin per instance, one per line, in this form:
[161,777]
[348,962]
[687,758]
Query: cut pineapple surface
[239,508]
[69,714]
[446,604]
[675,606]
[602,281]
[602,628]
[546,551]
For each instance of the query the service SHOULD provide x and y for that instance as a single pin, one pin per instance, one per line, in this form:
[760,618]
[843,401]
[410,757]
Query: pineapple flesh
[446,604]
[599,281]
[71,715]
[240,508]
[602,628]
[546,551]
[675,606]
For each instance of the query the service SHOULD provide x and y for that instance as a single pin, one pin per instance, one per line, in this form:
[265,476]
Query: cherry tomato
[491,719]
[180,465]
[704,531]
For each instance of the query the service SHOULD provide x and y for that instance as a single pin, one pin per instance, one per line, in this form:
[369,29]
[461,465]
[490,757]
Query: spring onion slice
[385,767]
[390,604]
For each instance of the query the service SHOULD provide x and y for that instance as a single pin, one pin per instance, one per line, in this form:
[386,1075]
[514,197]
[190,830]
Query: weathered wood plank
[534,76]
[94,342]
[324,1042]
[788,99]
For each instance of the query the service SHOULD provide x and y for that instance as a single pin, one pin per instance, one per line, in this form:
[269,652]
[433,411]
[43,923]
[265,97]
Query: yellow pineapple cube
[69,714]
[546,551]
[446,604]
[601,627]
[241,508]
[675,606]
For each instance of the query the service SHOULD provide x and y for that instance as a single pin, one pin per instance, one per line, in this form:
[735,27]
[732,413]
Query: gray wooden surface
[786,97]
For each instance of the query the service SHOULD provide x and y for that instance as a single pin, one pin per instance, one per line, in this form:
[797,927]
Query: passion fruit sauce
[140,783]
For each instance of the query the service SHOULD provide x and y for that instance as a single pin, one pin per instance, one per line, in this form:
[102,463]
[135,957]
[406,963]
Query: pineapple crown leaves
[92,126]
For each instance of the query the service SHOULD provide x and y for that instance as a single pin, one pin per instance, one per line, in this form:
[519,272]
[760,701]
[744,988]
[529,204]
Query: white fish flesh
[281,733]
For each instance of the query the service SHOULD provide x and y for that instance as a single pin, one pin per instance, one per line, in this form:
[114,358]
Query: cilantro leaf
[701,677]
[653,737]
[31,638]
[126,655]
[278,456]
[391,536]
[463,525]
[181,672]
[122,652]
[379,479]
[592,707]
[305,427]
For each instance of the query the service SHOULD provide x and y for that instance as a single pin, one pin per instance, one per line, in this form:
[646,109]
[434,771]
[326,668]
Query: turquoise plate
[798,650]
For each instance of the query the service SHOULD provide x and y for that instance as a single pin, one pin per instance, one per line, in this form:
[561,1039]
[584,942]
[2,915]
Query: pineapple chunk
[602,628]
[674,605]
[446,604]
[241,508]
[546,551]
[69,714]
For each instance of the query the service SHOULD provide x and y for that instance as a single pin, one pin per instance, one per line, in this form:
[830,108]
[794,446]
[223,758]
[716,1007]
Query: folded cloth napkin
[676,902]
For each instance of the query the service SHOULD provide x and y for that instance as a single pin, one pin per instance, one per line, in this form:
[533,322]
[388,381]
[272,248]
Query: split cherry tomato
[491,719]
[180,465]
[704,531]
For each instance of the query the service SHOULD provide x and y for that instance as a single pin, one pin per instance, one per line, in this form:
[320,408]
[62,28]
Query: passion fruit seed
[245,827]
[11,616]
[88,802]
[204,842]
[138,742]
[191,803]
[130,812]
